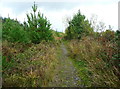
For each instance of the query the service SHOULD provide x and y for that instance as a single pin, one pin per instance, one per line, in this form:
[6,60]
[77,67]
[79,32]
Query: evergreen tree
[78,27]
[38,26]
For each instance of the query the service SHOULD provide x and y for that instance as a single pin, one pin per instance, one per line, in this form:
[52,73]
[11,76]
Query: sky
[57,11]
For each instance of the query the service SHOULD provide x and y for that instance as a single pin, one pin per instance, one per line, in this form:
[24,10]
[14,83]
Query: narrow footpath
[66,74]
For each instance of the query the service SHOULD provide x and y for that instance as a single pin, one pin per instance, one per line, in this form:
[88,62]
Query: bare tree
[98,26]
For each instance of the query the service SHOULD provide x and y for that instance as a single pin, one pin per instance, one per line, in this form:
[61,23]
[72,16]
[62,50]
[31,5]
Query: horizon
[58,12]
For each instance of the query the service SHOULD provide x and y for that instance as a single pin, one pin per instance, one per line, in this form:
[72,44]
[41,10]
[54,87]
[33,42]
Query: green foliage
[111,43]
[108,35]
[78,27]
[13,31]
[32,68]
[116,56]
[101,60]
[57,34]
[18,36]
[36,29]
[38,26]
[117,37]
[5,64]
[84,73]
[97,60]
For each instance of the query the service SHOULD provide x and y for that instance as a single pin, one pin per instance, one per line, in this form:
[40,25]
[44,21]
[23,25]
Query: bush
[18,36]
[13,31]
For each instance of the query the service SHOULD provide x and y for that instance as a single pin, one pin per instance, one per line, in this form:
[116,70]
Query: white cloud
[55,19]
[61,1]
[6,11]
[108,13]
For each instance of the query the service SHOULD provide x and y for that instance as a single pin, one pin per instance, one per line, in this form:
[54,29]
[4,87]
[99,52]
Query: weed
[97,61]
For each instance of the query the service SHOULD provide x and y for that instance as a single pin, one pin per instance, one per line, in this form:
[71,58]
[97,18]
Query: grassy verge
[93,62]
[32,68]
[81,67]
[83,72]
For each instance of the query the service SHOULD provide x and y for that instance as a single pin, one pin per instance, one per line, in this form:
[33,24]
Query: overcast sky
[58,11]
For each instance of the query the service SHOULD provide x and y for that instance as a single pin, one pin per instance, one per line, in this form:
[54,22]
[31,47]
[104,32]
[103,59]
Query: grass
[33,67]
[83,72]
[81,67]
[91,61]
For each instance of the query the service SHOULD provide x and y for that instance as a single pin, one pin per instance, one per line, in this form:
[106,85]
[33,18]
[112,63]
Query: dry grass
[98,61]
[32,68]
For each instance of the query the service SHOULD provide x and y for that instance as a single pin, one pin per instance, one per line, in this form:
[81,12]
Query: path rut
[66,74]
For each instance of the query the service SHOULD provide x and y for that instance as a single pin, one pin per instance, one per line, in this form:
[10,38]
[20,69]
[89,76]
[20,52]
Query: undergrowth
[94,62]
[83,72]
[34,67]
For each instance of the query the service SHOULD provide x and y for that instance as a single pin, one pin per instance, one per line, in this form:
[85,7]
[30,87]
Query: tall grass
[98,59]
[32,68]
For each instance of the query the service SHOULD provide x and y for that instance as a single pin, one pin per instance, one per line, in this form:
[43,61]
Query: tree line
[36,29]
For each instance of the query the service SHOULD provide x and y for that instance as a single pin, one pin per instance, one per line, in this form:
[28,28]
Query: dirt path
[65,74]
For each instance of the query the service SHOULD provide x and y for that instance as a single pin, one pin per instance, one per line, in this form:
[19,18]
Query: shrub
[98,61]
[13,31]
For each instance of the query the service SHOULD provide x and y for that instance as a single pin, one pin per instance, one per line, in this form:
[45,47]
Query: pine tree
[78,27]
[38,26]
